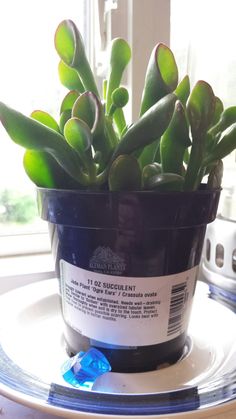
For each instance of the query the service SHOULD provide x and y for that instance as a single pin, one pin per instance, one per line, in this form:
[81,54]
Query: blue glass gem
[84,368]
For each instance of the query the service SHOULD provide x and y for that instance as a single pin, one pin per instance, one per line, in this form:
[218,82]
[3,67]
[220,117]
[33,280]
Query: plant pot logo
[105,261]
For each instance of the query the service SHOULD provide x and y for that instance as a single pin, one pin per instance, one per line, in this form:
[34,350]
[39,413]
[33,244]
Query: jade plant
[180,137]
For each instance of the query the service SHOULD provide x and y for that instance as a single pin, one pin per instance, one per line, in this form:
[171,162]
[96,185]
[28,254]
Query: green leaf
[70,47]
[201,109]
[148,153]
[182,91]
[45,119]
[164,182]
[33,135]
[175,141]
[64,117]
[45,172]
[225,146]
[89,109]
[38,170]
[219,109]
[178,128]
[216,175]
[148,127]
[120,121]
[69,100]
[120,98]
[69,77]
[125,174]
[149,171]
[227,118]
[104,89]
[78,135]
[119,58]
[161,76]
[65,42]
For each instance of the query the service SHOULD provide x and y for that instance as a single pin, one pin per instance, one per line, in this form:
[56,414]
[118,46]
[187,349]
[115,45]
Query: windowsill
[21,270]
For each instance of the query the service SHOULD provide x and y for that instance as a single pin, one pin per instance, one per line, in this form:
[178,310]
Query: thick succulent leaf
[119,58]
[46,119]
[28,132]
[104,89]
[70,47]
[69,77]
[161,76]
[149,171]
[78,135]
[164,182]
[69,100]
[225,146]
[33,135]
[120,121]
[227,118]
[178,128]
[125,174]
[148,128]
[201,109]
[120,53]
[64,117]
[148,153]
[89,109]
[182,91]
[110,133]
[216,175]
[120,98]
[219,109]
[193,174]
[38,170]
[175,141]
[65,42]
[45,172]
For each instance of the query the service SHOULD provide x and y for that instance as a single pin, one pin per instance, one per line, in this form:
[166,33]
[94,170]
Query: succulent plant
[180,137]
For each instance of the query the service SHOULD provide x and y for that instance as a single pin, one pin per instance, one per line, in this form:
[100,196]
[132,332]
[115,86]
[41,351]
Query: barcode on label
[177,303]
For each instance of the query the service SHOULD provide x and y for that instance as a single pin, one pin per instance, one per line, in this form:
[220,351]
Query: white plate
[32,351]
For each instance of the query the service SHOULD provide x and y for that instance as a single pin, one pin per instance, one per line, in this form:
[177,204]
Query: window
[29,68]
[28,81]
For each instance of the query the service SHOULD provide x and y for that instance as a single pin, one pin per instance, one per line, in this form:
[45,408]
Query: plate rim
[52,404]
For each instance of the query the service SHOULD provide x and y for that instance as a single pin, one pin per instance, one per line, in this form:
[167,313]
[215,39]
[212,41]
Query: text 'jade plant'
[180,135]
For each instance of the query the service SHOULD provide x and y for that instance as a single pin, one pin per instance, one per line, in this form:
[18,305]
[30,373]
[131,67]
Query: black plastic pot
[115,254]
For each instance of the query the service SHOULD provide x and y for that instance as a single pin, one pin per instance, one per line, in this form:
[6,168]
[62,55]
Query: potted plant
[127,206]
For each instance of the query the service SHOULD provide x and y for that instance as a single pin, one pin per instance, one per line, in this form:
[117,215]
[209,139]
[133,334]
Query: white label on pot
[127,311]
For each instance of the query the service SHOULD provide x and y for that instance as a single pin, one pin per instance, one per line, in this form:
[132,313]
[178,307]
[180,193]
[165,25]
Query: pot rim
[202,190]
[139,210]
